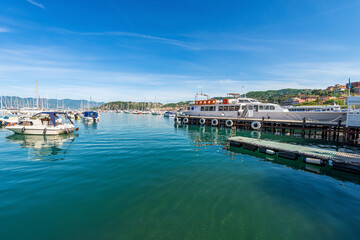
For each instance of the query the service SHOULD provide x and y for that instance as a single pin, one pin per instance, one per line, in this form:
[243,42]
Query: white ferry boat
[235,106]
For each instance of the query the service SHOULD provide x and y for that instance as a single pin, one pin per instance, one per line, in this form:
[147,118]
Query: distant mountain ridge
[18,102]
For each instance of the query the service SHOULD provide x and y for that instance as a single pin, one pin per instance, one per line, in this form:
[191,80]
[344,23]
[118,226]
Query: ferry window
[211,108]
[243,107]
[206,108]
[231,108]
[272,108]
[250,107]
[266,107]
[237,108]
[226,108]
[261,107]
[202,108]
[221,108]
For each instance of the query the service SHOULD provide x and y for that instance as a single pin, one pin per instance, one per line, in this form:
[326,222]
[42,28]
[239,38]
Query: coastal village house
[355,86]
[339,88]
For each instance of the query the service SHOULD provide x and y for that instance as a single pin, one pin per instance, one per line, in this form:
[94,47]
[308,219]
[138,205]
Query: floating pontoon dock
[339,160]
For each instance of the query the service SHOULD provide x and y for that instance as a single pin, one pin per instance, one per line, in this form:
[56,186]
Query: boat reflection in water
[44,148]
[205,138]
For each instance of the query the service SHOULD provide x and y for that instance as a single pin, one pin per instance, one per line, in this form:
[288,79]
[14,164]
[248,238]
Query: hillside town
[331,95]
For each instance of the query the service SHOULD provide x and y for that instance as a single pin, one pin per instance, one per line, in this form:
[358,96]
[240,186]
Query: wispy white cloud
[36,4]
[68,75]
[170,41]
[4,30]
[314,74]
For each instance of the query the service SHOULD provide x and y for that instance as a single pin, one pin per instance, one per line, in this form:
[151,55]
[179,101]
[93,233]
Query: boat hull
[299,116]
[30,130]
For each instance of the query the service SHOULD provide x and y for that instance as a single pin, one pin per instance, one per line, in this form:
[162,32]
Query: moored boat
[43,123]
[90,116]
[251,108]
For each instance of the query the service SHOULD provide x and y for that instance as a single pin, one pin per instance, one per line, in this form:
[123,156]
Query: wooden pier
[338,160]
[330,131]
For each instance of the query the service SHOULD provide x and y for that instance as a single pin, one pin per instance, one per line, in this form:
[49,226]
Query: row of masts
[38,103]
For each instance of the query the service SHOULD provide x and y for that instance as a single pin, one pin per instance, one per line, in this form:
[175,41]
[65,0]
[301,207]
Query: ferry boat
[43,123]
[235,106]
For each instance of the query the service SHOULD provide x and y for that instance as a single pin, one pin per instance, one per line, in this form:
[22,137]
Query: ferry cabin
[245,107]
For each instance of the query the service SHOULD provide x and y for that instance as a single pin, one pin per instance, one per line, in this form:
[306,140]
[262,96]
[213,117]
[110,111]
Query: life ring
[185,120]
[214,122]
[256,125]
[176,119]
[225,101]
[202,121]
[229,123]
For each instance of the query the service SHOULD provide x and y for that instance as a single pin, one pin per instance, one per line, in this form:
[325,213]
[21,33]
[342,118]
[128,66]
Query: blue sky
[168,50]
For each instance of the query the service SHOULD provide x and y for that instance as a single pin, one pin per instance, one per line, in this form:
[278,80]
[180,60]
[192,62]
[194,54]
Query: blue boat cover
[90,114]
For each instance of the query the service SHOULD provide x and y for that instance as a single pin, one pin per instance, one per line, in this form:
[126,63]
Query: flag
[349,84]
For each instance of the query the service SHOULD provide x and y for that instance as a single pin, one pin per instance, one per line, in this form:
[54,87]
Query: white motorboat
[156,113]
[9,120]
[43,123]
[169,114]
[251,108]
[90,116]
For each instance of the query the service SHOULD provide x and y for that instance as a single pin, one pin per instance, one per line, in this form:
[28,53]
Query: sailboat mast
[37,97]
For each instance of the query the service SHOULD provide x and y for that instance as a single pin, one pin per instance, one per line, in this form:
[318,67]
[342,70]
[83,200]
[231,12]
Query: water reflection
[204,136]
[48,148]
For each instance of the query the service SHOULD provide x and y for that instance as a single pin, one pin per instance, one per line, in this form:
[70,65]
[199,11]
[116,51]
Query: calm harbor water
[141,177]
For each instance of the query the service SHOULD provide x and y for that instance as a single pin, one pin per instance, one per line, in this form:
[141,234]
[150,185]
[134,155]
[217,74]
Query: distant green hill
[279,96]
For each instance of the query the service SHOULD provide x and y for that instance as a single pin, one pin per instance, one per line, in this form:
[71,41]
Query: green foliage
[332,101]
[311,103]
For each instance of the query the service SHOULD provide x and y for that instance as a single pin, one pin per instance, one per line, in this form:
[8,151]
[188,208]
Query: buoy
[270,152]
[23,130]
[256,125]
[202,121]
[314,161]
[176,119]
[229,123]
[214,122]
[76,129]
[185,120]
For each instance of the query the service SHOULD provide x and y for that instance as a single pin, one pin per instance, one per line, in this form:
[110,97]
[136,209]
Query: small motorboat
[43,123]
[169,114]
[90,116]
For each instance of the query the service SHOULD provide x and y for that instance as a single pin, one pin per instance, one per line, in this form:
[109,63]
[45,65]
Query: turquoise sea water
[141,177]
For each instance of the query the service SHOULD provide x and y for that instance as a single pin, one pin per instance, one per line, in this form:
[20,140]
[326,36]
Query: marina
[102,169]
[179,120]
